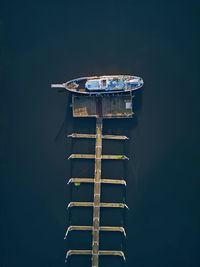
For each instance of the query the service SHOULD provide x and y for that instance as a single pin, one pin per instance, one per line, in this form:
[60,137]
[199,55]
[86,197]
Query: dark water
[53,41]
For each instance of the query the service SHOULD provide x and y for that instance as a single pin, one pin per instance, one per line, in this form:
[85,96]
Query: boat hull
[100,85]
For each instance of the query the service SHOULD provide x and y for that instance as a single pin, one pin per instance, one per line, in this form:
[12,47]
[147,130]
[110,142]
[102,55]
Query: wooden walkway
[96,204]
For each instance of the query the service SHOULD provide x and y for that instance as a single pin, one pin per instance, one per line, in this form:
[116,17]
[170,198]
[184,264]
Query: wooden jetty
[101,107]
[105,106]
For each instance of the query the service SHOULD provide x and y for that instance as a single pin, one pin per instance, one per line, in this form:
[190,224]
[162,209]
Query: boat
[109,84]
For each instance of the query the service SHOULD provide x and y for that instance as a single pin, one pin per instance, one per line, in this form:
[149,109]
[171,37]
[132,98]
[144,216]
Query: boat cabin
[105,84]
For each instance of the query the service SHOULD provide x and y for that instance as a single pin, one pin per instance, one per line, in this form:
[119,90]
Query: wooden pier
[101,108]
[107,106]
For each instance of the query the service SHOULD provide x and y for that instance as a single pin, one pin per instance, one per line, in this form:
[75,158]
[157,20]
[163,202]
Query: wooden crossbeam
[91,156]
[102,205]
[114,137]
[91,180]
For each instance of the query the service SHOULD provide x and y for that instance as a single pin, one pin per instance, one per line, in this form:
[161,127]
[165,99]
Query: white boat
[109,84]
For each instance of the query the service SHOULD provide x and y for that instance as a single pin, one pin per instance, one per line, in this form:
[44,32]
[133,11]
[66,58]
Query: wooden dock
[96,204]
[107,107]
[101,107]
